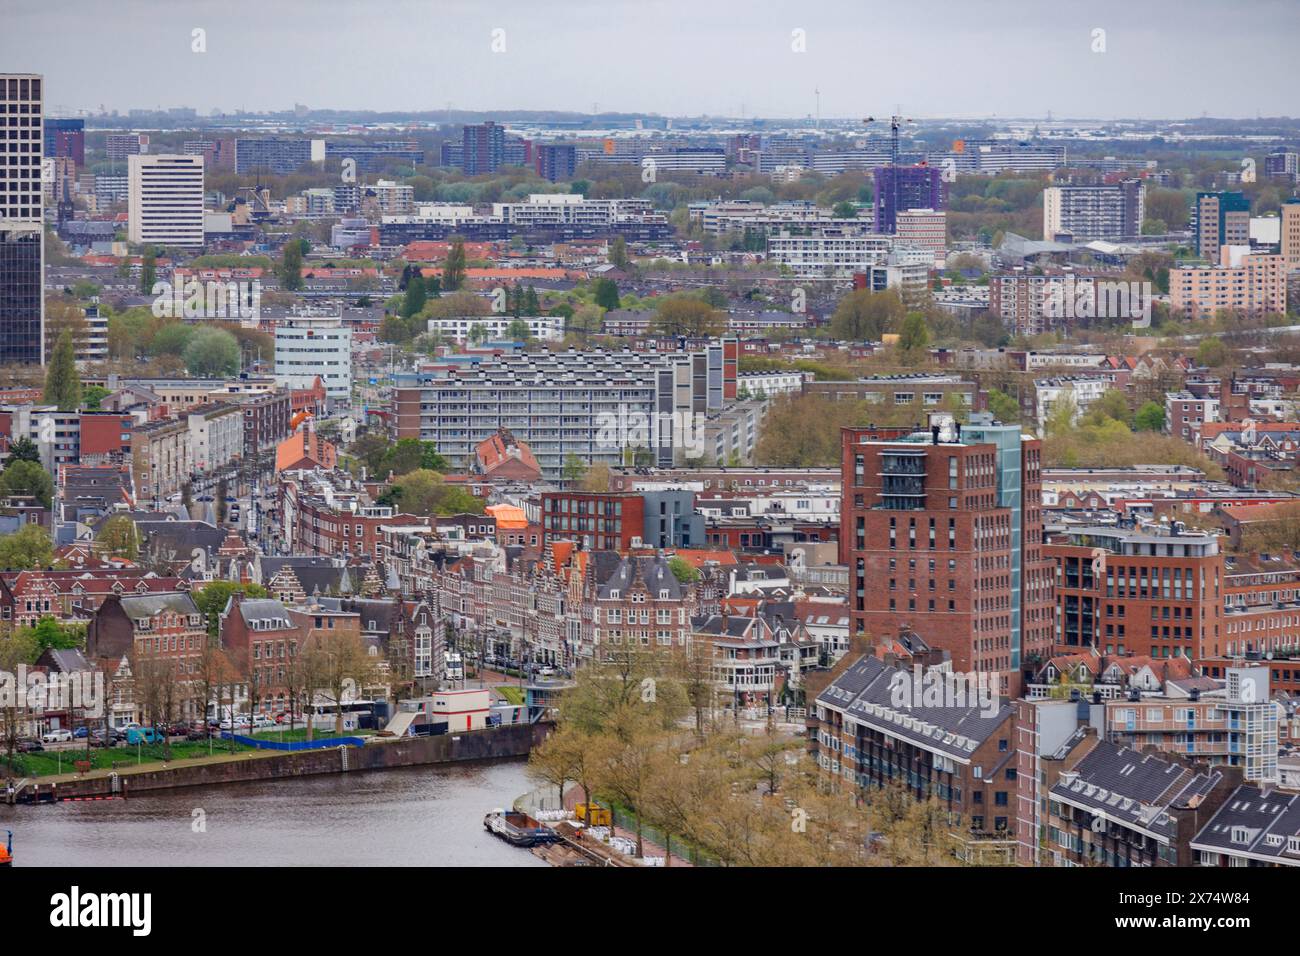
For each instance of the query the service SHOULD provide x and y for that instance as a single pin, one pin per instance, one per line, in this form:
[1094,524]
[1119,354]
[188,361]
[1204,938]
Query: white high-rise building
[22,257]
[165,200]
[310,345]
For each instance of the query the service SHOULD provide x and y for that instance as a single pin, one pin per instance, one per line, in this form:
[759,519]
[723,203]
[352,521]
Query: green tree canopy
[416,296]
[1150,418]
[171,339]
[1003,407]
[865,316]
[212,598]
[120,537]
[24,449]
[683,570]
[148,271]
[606,294]
[453,270]
[24,477]
[573,470]
[26,549]
[50,633]
[62,383]
[423,492]
[290,270]
[1212,353]
[914,337]
[212,352]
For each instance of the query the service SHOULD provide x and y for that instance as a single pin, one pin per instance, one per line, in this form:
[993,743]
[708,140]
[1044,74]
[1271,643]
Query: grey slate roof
[183,536]
[317,575]
[649,570]
[262,609]
[1134,789]
[865,692]
[1268,820]
[147,605]
[735,626]
[63,660]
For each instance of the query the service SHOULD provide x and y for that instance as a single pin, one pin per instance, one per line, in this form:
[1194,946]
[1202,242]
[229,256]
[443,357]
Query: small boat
[518,829]
[7,851]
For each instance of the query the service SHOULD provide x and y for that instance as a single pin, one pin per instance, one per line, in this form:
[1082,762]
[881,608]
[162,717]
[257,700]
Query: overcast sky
[1163,58]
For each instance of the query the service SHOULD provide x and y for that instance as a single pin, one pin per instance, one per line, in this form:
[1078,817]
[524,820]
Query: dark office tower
[899,188]
[483,148]
[556,163]
[66,138]
[22,307]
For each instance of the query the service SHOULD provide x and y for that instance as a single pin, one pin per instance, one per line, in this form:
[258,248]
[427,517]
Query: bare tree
[342,665]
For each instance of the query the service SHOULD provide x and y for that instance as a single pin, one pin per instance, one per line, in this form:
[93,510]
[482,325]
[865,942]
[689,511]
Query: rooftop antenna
[818,94]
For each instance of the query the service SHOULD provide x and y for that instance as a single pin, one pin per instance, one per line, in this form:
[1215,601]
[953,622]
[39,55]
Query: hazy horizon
[998,59]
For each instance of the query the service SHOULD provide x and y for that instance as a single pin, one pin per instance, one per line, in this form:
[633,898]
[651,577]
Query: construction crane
[895,122]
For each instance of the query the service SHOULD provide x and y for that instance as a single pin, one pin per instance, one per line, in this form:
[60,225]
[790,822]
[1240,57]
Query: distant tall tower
[484,148]
[22,257]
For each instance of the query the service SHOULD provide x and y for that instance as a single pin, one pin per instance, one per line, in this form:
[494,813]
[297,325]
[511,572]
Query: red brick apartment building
[942,535]
[165,626]
[105,437]
[263,640]
[599,521]
[1126,591]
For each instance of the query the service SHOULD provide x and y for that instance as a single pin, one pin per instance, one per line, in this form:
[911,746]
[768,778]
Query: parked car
[81,732]
[101,739]
[197,733]
[143,735]
[56,736]
[29,747]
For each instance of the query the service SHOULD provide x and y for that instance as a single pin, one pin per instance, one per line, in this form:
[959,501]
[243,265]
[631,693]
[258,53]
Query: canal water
[416,816]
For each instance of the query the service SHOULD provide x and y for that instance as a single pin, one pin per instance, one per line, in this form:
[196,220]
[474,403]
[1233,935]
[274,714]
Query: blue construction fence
[328,742]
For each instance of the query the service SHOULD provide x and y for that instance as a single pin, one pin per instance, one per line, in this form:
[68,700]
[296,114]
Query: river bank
[497,743]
